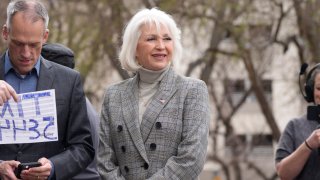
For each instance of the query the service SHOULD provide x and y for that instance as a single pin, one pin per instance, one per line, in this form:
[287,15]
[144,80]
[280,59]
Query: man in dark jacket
[63,55]
[23,70]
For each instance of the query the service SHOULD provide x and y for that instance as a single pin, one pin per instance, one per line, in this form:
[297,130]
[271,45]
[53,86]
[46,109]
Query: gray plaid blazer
[170,143]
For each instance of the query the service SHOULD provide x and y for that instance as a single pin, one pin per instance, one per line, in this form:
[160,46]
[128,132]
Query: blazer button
[120,128]
[123,149]
[153,146]
[126,169]
[158,125]
[145,166]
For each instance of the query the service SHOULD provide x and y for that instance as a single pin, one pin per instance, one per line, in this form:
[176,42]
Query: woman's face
[316,90]
[154,48]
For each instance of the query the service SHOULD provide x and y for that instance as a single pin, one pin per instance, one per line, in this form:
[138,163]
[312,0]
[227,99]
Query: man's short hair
[34,10]
[58,53]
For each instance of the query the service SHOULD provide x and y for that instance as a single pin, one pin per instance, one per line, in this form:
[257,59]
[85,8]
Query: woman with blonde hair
[154,125]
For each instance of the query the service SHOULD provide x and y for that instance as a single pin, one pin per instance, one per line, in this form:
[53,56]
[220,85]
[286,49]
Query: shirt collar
[8,66]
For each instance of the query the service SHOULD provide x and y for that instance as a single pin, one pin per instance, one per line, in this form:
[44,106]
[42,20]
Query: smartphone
[24,166]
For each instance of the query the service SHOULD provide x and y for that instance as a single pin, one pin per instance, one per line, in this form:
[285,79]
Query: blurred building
[279,70]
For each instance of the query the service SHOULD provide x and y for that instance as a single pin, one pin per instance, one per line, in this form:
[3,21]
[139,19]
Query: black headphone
[309,84]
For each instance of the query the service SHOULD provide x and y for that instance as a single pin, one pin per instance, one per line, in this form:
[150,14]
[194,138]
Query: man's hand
[7,170]
[36,173]
[6,92]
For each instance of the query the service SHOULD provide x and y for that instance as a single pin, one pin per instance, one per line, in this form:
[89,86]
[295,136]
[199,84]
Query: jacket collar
[130,103]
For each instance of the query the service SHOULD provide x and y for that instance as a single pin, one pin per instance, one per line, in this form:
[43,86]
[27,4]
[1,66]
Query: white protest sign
[32,119]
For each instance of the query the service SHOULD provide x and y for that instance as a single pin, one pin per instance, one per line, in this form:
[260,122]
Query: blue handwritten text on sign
[32,119]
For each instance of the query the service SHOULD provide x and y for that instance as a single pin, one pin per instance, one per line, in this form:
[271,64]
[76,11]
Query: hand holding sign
[6,92]
[32,119]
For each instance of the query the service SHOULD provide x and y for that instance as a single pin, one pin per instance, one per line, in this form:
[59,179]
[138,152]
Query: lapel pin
[162,101]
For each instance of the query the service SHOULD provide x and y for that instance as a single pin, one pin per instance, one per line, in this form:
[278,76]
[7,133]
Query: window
[267,88]
[236,88]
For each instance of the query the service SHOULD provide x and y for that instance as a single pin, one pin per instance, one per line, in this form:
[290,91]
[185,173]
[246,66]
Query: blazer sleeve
[190,159]
[107,160]
[78,152]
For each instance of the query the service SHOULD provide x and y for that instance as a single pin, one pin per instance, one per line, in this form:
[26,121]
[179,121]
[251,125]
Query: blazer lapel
[130,103]
[160,99]
[46,76]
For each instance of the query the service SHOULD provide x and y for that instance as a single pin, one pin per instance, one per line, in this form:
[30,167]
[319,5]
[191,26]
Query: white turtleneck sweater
[149,82]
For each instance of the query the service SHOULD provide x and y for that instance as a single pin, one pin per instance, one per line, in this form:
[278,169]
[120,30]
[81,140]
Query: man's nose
[26,51]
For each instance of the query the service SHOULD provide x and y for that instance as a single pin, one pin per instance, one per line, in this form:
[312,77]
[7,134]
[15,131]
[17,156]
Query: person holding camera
[63,55]
[297,154]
